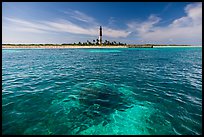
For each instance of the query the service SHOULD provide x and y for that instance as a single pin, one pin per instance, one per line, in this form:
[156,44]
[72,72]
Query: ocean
[137,91]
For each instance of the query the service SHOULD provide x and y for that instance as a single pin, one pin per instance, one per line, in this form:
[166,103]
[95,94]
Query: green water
[155,91]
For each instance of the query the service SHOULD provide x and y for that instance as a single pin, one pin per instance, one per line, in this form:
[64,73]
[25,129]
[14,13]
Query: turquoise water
[102,91]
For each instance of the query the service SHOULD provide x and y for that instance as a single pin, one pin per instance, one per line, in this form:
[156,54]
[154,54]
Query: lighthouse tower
[100,36]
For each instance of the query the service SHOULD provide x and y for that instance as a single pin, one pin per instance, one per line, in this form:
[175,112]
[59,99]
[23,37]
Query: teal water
[102,91]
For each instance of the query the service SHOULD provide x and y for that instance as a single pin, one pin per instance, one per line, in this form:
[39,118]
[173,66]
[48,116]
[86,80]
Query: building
[100,36]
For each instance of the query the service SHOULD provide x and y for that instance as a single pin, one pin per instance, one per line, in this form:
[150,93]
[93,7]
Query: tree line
[95,42]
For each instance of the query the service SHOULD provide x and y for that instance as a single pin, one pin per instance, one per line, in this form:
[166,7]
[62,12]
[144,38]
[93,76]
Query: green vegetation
[93,43]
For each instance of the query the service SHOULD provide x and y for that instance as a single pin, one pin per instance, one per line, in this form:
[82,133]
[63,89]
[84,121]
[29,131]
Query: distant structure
[100,36]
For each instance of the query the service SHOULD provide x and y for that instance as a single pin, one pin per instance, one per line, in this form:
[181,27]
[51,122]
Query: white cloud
[82,17]
[194,16]
[28,26]
[115,33]
[144,27]
[194,11]
[61,25]
[184,30]
[67,26]
[107,31]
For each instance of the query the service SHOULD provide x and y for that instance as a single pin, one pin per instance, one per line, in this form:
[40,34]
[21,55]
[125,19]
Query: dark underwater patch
[97,101]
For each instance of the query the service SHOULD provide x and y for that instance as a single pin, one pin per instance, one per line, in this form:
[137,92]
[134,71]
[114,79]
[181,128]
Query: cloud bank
[183,30]
[62,25]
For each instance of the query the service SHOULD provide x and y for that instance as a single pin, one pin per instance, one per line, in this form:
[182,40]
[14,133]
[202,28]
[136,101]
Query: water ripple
[102,91]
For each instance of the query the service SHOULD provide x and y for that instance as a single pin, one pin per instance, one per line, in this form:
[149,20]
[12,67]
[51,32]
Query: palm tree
[105,42]
[97,41]
[84,43]
[93,42]
[114,42]
[108,42]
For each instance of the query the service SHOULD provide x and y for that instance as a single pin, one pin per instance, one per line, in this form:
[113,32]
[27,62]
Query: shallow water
[102,91]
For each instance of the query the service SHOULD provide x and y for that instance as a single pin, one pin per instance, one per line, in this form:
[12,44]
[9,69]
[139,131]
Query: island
[89,45]
[95,43]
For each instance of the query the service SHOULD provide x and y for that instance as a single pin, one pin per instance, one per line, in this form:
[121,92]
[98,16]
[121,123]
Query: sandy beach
[63,46]
[66,46]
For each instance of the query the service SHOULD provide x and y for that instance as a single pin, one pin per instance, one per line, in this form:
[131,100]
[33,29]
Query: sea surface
[143,91]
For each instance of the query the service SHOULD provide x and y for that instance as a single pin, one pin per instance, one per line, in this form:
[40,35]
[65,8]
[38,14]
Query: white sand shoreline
[106,47]
[59,47]
[175,46]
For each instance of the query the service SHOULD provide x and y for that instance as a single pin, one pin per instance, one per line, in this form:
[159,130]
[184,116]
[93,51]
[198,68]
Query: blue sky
[128,22]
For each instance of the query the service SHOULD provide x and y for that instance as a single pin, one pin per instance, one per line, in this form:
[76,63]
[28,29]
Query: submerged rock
[102,97]
[96,102]
[101,108]
[88,105]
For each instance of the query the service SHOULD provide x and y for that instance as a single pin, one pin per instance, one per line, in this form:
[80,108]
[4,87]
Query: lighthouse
[100,36]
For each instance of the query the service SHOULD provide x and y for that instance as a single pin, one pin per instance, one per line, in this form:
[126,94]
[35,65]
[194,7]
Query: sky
[127,22]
